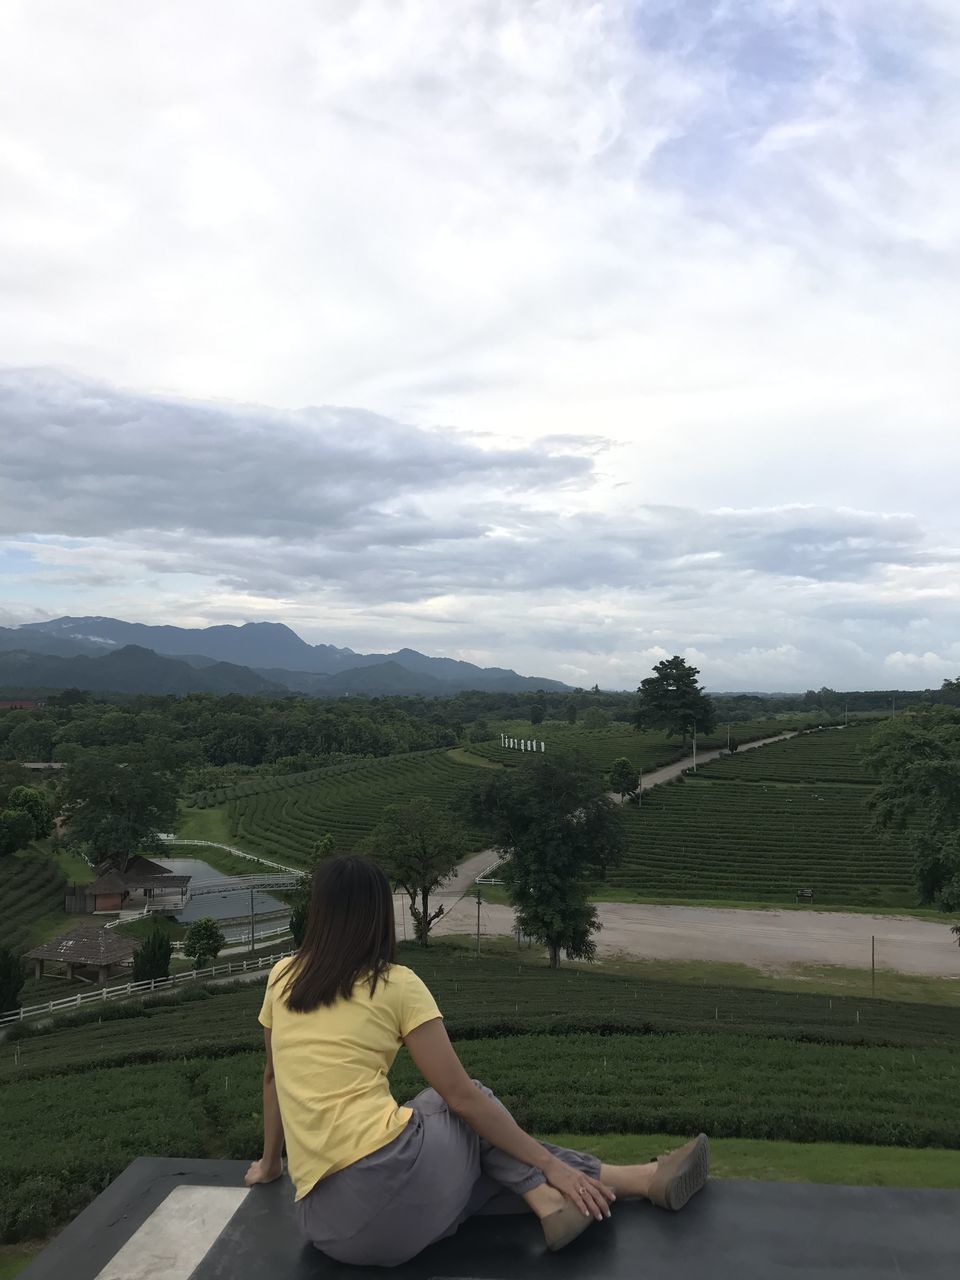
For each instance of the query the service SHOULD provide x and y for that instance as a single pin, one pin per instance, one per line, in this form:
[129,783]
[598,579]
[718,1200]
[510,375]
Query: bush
[12,979]
[153,958]
[204,941]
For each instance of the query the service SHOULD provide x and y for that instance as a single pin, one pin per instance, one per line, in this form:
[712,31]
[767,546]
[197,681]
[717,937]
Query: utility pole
[728,737]
[640,789]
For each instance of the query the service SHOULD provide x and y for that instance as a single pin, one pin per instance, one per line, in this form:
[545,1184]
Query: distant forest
[288,734]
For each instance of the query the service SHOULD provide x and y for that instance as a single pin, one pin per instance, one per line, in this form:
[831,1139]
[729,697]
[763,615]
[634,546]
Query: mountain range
[108,654]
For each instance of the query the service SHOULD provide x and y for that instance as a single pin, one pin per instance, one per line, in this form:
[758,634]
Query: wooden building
[85,951]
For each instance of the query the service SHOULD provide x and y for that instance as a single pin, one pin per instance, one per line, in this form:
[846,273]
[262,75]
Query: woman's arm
[270,1166]
[430,1047]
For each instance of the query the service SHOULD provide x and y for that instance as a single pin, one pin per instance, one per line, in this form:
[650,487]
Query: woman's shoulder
[403,978]
[279,969]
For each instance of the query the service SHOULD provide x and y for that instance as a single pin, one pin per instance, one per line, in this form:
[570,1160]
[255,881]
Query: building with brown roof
[113,890]
[88,947]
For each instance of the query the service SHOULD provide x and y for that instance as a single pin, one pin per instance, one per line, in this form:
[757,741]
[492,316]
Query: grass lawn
[75,869]
[204,824]
[140,929]
[829,980]
[14,1257]
[498,894]
[855,1166]
[610,893]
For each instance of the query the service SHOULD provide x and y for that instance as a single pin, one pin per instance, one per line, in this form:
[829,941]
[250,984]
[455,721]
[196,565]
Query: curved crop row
[739,840]
[349,804]
[31,887]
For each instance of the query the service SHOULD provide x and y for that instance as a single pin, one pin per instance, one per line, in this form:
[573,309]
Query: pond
[230,903]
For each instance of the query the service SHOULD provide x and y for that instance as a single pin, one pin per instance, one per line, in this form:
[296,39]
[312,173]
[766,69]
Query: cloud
[649,311]
[371,531]
[83,459]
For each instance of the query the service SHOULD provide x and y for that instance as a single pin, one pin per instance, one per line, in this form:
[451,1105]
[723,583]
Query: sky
[551,334]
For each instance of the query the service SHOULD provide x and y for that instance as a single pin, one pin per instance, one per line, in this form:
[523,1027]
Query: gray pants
[419,1188]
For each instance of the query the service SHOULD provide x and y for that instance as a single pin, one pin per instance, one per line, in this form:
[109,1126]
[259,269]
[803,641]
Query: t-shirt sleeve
[265,1017]
[417,1005]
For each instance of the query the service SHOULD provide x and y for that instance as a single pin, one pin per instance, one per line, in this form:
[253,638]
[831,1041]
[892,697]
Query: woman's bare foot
[259,1172]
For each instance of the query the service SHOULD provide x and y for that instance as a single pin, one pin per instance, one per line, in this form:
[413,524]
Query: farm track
[772,940]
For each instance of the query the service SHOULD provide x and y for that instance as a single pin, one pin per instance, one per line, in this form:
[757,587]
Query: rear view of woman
[376,1182]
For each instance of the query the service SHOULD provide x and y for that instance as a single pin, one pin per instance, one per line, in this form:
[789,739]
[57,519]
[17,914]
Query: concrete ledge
[174,1219]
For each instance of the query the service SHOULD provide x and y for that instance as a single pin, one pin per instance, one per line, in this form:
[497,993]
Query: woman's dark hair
[350,934]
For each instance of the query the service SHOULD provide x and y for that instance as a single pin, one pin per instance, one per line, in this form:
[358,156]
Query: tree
[204,941]
[34,802]
[419,847]
[623,777]
[559,831]
[595,718]
[118,807]
[300,897]
[480,732]
[16,830]
[153,958]
[12,978]
[916,759]
[571,712]
[673,701]
[538,710]
[950,692]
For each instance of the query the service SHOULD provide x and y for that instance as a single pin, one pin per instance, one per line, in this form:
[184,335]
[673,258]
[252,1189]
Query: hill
[128,670]
[273,649]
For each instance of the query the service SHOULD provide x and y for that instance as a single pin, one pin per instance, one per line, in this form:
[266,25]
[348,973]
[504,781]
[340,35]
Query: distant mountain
[276,653]
[128,670]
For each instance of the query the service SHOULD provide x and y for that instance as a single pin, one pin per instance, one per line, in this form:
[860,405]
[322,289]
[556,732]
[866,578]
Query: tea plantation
[647,750]
[758,825]
[31,888]
[582,1051]
[347,801]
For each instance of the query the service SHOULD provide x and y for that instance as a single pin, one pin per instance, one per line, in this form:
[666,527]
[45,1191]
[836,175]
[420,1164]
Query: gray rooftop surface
[734,1230]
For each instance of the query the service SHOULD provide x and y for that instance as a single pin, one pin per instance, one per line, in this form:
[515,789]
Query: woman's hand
[260,1171]
[589,1195]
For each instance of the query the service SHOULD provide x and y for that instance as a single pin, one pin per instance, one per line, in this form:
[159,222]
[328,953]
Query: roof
[138,865]
[113,881]
[88,944]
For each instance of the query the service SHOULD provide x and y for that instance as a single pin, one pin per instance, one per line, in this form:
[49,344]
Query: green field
[285,823]
[832,755]
[741,840]
[762,823]
[647,750]
[586,1052]
[32,886]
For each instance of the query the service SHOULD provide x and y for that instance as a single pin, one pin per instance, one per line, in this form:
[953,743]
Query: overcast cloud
[558,336]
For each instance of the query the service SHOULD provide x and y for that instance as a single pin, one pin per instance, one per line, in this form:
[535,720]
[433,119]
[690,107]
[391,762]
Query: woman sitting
[376,1182]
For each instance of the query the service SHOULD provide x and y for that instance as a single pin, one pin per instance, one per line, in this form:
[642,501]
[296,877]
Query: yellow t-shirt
[331,1070]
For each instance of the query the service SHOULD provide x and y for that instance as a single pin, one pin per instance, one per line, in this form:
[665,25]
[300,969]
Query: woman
[376,1183]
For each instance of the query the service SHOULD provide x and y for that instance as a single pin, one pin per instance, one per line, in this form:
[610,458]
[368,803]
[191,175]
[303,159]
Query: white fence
[237,853]
[103,995]
[241,939]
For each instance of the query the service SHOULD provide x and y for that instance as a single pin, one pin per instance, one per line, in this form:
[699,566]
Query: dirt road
[762,939]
